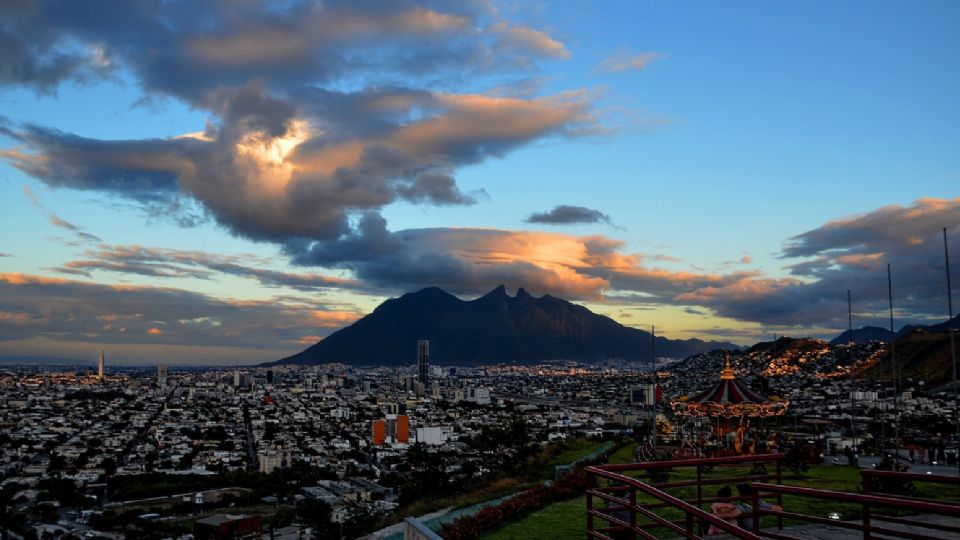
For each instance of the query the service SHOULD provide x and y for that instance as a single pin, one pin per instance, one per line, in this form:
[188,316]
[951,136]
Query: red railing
[623,513]
[621,509]
[869,503]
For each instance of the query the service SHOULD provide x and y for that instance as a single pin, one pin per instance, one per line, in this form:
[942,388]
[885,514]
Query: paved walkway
[827,532]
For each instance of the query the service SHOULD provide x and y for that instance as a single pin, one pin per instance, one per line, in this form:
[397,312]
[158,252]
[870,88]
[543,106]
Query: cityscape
[479,270]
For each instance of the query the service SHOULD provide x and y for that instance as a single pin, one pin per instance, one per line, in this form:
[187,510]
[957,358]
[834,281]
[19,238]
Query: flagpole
[953,350]
[896,381]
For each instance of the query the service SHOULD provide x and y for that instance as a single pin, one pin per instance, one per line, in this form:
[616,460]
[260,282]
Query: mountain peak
[494,328]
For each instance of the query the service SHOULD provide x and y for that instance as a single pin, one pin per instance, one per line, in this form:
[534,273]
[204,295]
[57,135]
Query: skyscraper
[100,367]
[423,362]
[162,375]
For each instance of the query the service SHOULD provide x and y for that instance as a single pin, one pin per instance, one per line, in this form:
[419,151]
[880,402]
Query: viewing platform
[641,500]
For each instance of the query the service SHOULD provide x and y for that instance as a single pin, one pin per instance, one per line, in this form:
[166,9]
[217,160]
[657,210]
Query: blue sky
[746,138]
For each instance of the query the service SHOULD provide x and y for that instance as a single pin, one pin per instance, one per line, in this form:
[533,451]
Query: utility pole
[853,371]
[653,367]
[953,349]
[896,380]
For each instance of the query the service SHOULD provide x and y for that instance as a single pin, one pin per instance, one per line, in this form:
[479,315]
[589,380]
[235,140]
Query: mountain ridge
[494,328]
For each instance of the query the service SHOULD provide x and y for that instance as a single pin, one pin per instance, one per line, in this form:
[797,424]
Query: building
[432,435]
[403,428]
[100,367]
[162,375]
[423,362]
[379,432]
[269,376]
[227,527]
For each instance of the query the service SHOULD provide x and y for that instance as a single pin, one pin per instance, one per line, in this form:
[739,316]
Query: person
[724,510]
[746,521]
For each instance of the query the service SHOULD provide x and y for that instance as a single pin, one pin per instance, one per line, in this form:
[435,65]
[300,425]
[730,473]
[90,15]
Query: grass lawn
[575,449]
[566,519]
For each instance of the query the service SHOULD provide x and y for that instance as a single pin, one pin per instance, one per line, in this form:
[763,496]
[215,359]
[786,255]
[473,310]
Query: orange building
[379,432]
[403,428]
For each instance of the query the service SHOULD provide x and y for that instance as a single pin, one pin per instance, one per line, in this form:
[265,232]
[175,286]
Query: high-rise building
[236,377]
[403,428]
[423,362]
[100,367]
[162,375]
[269,376]
[379,432]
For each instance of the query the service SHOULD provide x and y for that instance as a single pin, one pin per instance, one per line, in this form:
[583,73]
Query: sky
[228,182]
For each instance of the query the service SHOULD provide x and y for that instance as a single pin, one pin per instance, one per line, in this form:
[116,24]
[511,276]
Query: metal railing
[621,509]
[628,517]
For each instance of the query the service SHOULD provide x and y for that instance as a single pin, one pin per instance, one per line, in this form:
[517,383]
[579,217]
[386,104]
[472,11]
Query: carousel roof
[729,390]
[729,398]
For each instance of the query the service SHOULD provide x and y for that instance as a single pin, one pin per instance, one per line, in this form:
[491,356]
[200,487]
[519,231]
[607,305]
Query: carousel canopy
[729,398]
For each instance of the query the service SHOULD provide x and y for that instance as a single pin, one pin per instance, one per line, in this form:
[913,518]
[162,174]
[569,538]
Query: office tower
[423,361]
[403,428]
[269,376]
[162,375]
[100,367]
[236,377]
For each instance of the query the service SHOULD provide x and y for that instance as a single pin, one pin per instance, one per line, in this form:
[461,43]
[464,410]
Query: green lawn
[568,519]
[575,449]
[565,519]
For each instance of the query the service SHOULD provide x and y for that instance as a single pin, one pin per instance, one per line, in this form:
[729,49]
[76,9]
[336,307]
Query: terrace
[638,501]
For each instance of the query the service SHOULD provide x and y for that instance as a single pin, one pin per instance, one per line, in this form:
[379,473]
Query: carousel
[730,406]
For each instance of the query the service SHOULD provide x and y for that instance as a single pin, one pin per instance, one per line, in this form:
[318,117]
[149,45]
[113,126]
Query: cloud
[851,253]
[56,220]
[172,263]
[463,261]
[569,215]
[64,310]
[5,255]
[624,61]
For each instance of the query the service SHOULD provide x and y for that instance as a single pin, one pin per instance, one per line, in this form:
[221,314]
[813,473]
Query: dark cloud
[569,215]
[65,310]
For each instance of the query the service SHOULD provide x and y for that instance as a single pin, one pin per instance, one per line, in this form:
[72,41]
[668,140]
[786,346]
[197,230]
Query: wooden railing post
[633,513]
[865,480]
[591,483]
[700,493]
[755,508]
[779,495]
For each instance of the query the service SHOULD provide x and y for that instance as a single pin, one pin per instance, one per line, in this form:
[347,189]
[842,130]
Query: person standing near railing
[745,521]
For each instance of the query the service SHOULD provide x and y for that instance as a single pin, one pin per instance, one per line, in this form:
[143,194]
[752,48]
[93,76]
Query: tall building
[403,428]
[100,367]
[379,432]
[423,362]
[162,375]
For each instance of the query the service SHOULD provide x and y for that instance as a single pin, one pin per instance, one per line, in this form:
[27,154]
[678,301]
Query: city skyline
[203,184]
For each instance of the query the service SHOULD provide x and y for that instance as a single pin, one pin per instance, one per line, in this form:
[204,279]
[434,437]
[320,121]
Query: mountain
[921,356]
[495,328]
[863,335]
[931,328]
